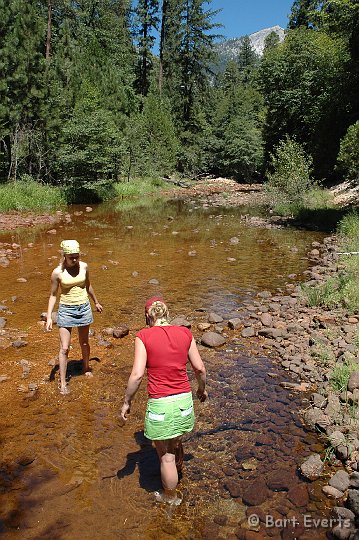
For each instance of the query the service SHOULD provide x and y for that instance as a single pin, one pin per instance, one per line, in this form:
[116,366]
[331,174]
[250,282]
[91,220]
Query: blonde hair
[158,312]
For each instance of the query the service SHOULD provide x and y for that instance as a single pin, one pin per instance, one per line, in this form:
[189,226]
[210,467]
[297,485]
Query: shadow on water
[146,460]
[74,369]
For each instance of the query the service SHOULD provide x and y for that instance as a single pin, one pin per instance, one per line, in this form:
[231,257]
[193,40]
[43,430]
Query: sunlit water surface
[68,468]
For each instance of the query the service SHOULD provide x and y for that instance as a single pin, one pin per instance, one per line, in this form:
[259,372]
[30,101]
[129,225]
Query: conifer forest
[106,90]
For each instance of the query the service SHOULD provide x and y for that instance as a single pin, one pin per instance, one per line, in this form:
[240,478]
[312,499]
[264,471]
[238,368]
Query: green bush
[348,157]
[27,194]
[289,179]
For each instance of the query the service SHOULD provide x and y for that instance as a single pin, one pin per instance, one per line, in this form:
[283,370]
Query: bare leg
[179,453]
[65,339]
[169,475]
[85,348]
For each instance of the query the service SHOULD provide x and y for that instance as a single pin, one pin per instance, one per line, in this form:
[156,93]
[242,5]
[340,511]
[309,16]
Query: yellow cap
[70,246]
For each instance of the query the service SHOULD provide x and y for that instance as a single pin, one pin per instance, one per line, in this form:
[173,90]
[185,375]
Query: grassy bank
[28,195]
[343,289]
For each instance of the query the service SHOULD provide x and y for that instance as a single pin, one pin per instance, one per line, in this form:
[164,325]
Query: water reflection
[69,470]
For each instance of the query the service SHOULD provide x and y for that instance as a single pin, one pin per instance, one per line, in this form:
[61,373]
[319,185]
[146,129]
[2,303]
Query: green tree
[146,22]
[303,82]
[22,64]
[348,157]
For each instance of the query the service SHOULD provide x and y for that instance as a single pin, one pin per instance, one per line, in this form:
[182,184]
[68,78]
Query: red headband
[150,301]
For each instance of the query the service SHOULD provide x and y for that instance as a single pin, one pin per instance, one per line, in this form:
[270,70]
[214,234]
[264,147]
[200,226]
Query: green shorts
[169,417]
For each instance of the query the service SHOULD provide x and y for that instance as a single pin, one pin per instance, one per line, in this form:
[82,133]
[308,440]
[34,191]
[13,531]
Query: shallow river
[69,470]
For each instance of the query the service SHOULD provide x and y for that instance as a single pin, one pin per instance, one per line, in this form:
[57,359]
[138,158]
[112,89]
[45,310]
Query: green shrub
[27,194]
[289,180]
[348,157]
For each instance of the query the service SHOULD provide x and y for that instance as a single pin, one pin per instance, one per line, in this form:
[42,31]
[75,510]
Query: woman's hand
[48,325]
[126,409]
[99,307]
[202,396]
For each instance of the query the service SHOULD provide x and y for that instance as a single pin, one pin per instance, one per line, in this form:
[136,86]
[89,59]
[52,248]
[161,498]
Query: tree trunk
[162,42]
[49,25]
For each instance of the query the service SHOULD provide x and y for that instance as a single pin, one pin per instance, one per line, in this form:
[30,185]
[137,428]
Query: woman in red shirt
[165,350]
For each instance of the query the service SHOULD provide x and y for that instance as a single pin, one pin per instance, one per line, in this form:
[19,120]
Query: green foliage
[236,146]
[290,178]
[348,157]
[152,144]
[27,194]
[303,81]
[138,186]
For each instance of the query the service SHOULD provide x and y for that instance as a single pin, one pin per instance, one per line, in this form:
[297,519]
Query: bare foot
[160,496]
[88,374]
[64,390]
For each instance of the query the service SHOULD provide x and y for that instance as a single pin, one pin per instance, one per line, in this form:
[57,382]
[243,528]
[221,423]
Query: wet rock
[279,480]
[3,378]
[104,342]
[26,459]
[340,480]
[312,467]
[256,494]
[135,274]
[21,280]
[154,282]
[233,487]
[234,323]
[43,316]
[212,339]
[88,209]
[2,322]
[4,262]
[353,381]
[298,495]
[120,331]
[25,364]
[108,331]
[181,321]
[18,343]
[234,240]
[248,332]
[214,318]
[332,492]
[250,464]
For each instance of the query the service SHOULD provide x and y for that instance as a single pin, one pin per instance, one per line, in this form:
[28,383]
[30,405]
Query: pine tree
[146,21]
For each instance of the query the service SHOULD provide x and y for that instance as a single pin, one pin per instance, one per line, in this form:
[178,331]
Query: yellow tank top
[73,288]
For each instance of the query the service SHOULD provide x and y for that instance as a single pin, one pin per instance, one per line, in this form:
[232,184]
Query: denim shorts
[69,316]
[169,417]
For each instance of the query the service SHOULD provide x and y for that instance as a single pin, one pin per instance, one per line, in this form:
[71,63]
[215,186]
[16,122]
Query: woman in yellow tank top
[72,278]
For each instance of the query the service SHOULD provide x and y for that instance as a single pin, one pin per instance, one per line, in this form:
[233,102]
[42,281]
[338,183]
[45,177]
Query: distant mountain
[228,49]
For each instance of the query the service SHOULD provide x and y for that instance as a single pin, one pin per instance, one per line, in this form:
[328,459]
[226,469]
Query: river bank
[279,325]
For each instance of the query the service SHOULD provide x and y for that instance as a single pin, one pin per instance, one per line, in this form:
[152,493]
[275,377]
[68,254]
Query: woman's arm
[134,381]
[199,370]
[91,292]
[52,300]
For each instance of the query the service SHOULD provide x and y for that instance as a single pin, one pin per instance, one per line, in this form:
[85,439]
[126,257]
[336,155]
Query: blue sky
[241,17]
